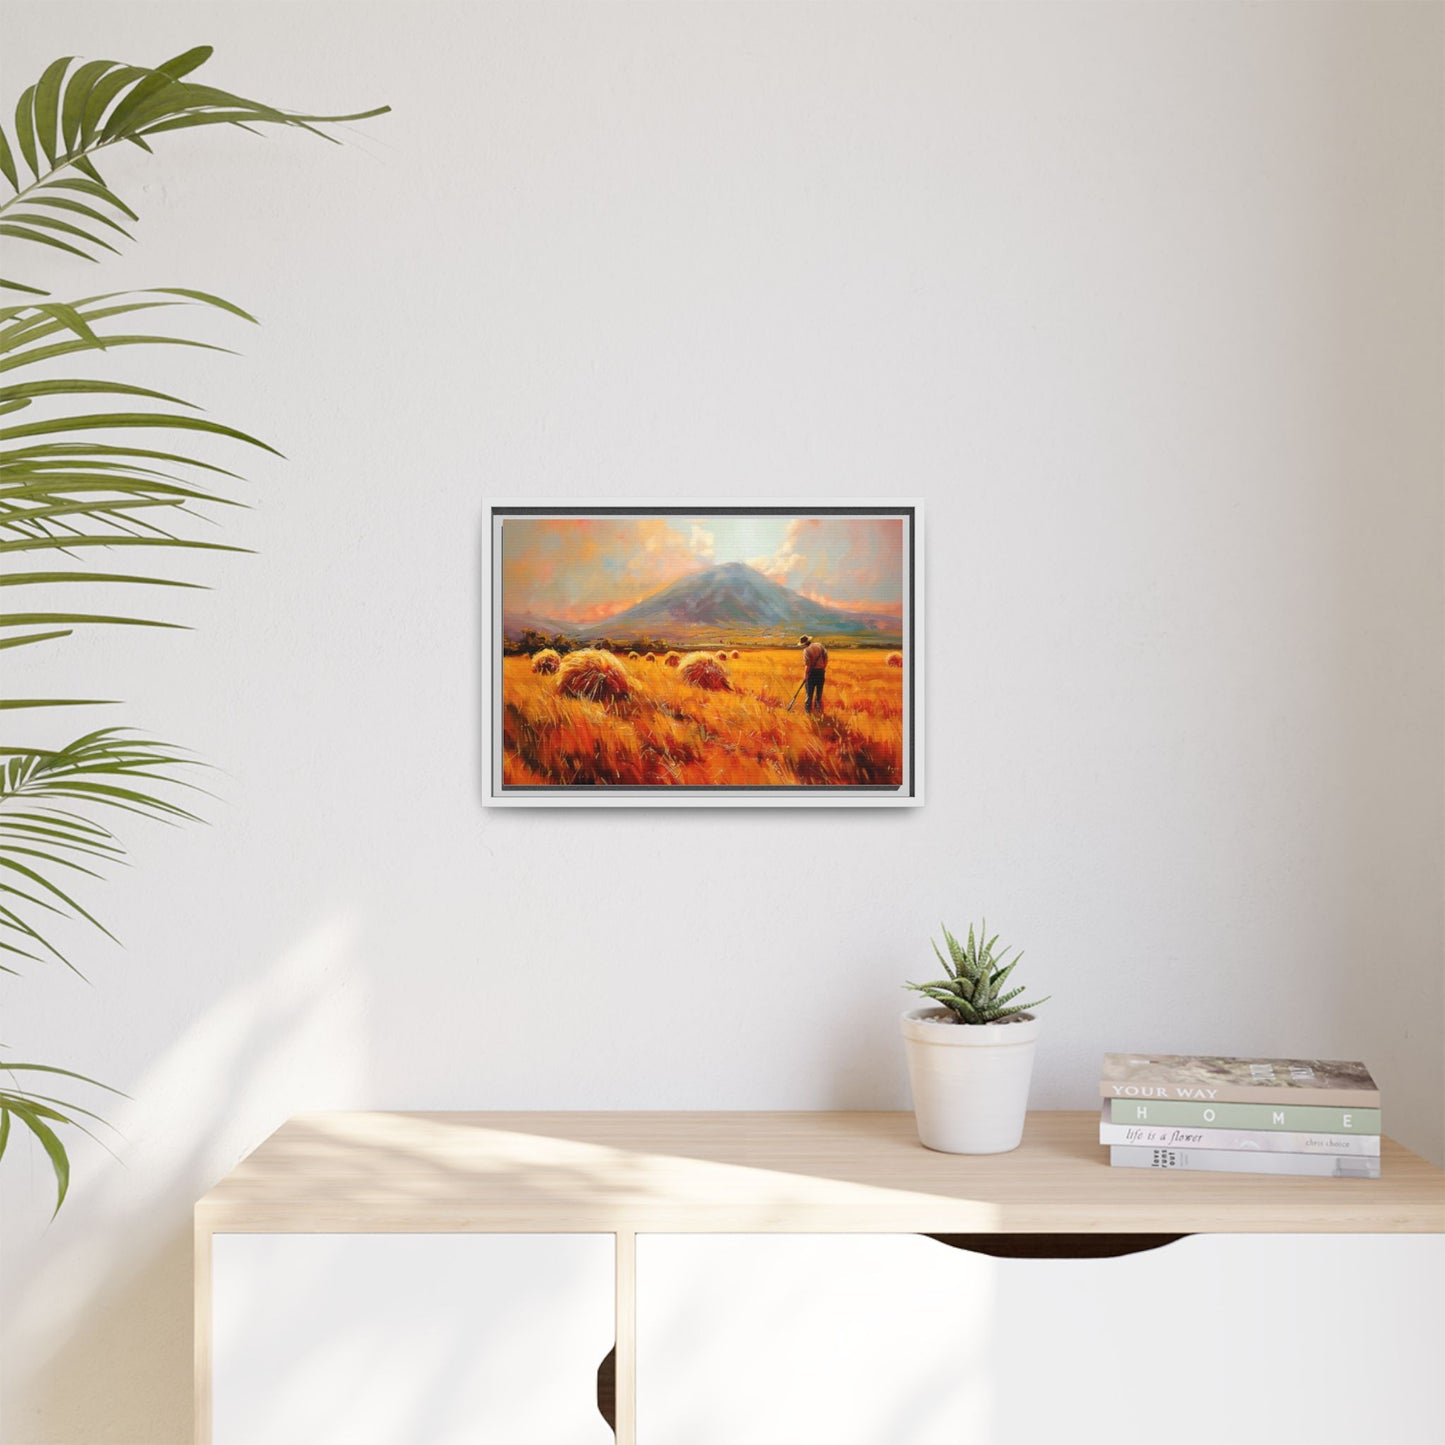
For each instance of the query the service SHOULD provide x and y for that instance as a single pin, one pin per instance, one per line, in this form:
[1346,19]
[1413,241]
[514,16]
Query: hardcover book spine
[1296,1118]
[1264,1141]
[1230,1161]
[1240,1094]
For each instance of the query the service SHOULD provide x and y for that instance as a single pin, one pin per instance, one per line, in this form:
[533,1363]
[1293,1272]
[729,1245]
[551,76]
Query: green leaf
[54,223]
[960,958]
[17,704]
[153,84]
[1025,1007]
[33,389]
[26,324]
[205,298]
[27,579]
[25,766]
[67,348]
[187,61]
[78,208]
[20,286]
[1004,972]
[25,851]
[80,619]
[30,638]
[938,995]
[59,836]
[948,967]
[50,1142]
[67,542]
[40,481]
[29,1096]
[7,161]
[102,93]
[70,319]
[98,191]
[238,118]
[117,420]
[54,889]
[25,130]
[47,108]
[190,99]
[77,90]
[24,233]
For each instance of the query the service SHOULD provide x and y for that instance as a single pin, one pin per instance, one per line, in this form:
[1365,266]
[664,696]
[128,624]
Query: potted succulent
[970,1058]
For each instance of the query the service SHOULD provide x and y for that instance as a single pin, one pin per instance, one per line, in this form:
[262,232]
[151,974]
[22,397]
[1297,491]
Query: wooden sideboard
[616,1178]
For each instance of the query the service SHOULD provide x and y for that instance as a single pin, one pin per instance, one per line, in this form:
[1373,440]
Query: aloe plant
[974,987]
[76,485]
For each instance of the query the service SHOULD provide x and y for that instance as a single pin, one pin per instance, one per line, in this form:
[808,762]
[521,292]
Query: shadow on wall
[97,1333]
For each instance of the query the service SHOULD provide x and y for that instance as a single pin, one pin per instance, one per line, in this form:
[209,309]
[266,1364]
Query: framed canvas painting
[735,654]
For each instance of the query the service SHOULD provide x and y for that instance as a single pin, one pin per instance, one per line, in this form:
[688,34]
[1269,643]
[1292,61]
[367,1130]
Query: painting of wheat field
[701,654]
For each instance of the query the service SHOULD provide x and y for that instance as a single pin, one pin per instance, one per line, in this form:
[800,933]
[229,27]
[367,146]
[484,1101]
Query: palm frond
[59,199]
[41,1113]
[74,482]
[65,490]
[40,831]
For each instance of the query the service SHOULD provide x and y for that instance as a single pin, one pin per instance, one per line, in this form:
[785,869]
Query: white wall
[1145,301]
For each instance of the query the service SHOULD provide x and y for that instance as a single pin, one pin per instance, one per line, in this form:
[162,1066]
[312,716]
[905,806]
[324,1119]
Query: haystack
[701,669]
[632,656]
[672,659]
[651,657]
[722,656]
[546,661]
[593,674]
[736,653]
[895,659]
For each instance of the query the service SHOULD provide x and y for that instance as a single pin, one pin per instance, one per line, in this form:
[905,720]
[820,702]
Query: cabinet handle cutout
[1056,1246]
[607,1389]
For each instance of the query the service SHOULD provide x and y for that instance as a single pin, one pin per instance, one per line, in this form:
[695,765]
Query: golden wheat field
[670,732]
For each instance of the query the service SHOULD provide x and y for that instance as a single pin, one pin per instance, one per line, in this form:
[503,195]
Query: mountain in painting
[516,623]
[735,602]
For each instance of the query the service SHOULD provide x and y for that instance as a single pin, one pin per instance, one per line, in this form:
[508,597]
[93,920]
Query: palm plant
[76,483]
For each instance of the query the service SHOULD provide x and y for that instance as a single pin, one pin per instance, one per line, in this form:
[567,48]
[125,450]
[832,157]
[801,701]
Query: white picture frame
[497,793]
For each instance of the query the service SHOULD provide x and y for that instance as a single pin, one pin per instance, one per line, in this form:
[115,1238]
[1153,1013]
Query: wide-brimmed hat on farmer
[804,640]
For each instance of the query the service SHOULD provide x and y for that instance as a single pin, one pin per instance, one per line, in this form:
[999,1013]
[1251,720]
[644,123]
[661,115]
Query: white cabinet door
[410,1339]
[900,1340]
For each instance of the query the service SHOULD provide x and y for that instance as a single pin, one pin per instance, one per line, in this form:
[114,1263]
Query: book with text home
[1301,1118]
[1216,1079]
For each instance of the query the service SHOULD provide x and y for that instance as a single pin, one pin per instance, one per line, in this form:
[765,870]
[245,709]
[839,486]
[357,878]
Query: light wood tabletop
[747,1172]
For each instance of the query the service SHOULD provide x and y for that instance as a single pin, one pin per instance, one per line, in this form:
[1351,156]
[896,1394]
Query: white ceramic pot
[970,1081]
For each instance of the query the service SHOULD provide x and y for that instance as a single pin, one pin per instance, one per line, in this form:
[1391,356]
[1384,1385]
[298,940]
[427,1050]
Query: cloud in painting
[851,562]
[579,569]
[584,569]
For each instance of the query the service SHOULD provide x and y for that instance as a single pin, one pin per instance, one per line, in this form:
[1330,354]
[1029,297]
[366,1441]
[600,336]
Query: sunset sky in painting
[584,569]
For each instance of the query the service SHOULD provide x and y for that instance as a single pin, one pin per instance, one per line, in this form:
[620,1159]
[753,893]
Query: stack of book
[1242,1116]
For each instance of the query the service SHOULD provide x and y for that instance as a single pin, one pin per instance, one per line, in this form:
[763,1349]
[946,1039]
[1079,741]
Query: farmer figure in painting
[815,667]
